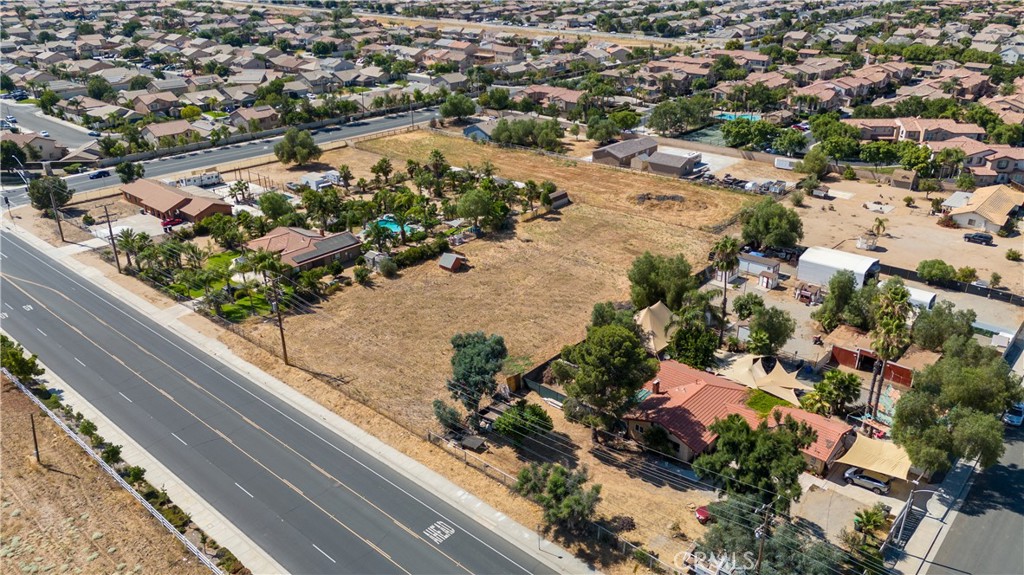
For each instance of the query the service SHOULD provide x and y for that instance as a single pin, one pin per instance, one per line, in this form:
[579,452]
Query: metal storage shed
[818,265]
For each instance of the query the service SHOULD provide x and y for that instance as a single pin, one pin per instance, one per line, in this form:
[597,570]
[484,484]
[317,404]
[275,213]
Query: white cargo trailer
[817,265]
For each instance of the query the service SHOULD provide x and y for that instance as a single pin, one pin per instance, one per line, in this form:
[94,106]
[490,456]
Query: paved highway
[987,537]
[28,121]
[227,154]
[312,500]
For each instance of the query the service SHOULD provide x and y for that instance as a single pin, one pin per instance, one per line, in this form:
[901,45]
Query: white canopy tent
[655,322]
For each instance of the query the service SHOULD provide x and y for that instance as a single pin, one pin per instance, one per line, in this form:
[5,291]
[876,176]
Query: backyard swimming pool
[733,116]
[388,222]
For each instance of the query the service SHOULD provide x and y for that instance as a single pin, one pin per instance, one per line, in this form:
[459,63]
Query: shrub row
[417,254]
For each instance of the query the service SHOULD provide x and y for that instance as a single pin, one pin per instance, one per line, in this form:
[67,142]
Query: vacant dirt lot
[68,516]
[586,183]
[536,289]
[911,235]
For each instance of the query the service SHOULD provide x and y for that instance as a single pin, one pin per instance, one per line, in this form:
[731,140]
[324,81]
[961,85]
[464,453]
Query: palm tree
[870,520]
[891,335]
[379,236]
[879,226]
[127,241]
[344,175]
[814,402]
[195,256]
[309,282]
[726,258]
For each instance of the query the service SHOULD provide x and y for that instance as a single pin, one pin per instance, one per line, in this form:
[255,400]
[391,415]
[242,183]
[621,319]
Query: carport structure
[882,457]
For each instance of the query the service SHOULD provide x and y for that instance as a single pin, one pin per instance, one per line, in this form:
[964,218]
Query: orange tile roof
[830,431]
[697,401]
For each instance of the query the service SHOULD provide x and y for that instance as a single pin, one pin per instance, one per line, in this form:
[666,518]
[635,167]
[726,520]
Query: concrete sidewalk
[528,540]
[942,509]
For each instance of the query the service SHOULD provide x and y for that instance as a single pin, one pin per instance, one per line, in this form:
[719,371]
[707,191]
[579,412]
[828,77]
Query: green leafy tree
[14,359]
[878,154]
[41,189]
[11,154]
[128,172]
[659,278]
[790,142]
[786,549]
[458,106]
[841,287]
[561,493]
[602,130]
[522,420]
[612,366]
[297,147]
[477,360]
[747,305]
[99,88]
[935,271]
[6,83]
[321,205]
[606,313]
[770,224]
[758,462]
[275,205]
[840,148]
[954,407]
[47,100]
[625,119]
[694,343]
[475,205]
[777,327]
[814,163]
[191,113]
[932,328]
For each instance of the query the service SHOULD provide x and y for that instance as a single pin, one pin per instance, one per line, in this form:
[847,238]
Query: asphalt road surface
[28,121]
[987,537]
[218,156]
[313,501]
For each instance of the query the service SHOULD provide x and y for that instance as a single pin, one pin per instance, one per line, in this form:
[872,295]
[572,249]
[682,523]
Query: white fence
[110,471]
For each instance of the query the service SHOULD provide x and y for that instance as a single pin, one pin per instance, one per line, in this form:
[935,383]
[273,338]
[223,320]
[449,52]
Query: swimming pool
[733,116]
[388,222]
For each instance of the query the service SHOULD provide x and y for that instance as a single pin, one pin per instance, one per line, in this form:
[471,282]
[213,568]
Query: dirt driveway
[911,235]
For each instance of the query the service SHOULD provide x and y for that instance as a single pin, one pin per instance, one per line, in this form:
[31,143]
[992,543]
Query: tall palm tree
[195,256]
[890,336]
[726,258]
[379,236]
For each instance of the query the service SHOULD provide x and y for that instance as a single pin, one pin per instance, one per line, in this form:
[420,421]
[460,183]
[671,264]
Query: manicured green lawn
[217,114]
[763,403]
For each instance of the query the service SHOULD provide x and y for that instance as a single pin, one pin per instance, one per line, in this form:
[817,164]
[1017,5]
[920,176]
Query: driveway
[31,119]
[138,222]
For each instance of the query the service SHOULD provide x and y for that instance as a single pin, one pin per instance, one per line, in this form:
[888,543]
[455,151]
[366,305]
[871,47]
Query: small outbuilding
[817,266]
[452,262]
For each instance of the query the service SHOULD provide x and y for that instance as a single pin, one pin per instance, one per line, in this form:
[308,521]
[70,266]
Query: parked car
[11,119]
[95,134]
[703,515]
[1015,415]
[98,175]
[979,238]
[171,222]
[44,133]
[861,478]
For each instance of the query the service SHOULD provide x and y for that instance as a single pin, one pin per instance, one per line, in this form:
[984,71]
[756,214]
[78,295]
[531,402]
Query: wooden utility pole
[56,215]
[280,321]
[110,232]
[761,533]
[35,441]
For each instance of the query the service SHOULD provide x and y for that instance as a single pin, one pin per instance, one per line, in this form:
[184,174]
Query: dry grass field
[591,184]
[67,515]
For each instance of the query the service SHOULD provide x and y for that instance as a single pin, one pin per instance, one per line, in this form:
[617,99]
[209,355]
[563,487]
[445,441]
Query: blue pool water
[391,225]
[733,116]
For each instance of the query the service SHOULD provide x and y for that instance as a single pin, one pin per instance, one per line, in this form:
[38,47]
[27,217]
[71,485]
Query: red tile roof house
[306,249]
[166,201]
[685,401]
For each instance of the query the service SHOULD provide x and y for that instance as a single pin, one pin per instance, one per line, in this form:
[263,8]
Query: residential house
[817,97]
[563,98]
[264,117]
[157,134]
[173,84]
[45,148]
[167,201]
[480,131]
[918,130]
[685,402]
[832,437]
[621,154]
[990,208]
[305,249]
[160,103]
